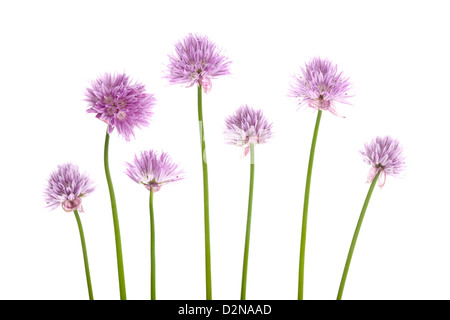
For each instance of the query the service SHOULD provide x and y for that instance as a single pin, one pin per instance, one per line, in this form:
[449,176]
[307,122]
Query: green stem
[249,221]
[305,208]
[152,248]
[123,295]
[85,256]
[205,197]
[355,236]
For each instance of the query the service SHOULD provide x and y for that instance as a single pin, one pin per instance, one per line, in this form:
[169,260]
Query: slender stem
[305,208]
[123,294]
[355,237]
[249,221]
[152,248]
[85,256]
[205,197]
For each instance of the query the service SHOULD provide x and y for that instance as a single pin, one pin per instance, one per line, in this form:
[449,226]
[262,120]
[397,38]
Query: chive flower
[385,156]
[66,186]
[197,60]
[153,170]
[120,103]
[246,128]
[320,86]
[123,105]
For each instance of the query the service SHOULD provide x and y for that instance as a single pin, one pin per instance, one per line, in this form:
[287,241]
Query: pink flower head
[247,126]
[320,86]
[120,103]
[196,60]
[384,154]
[66,186]
[153,170]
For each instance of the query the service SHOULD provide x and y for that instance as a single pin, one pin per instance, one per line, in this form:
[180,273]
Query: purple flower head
[384,154]
[153,170]
[247,126]
[120,103]
[66,186]
[196,60]
[320,86]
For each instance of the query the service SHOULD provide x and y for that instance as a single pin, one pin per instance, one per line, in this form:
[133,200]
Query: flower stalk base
[120,269]
[205,197]
[85,256]
[249,220]
[355,236]
[305,208]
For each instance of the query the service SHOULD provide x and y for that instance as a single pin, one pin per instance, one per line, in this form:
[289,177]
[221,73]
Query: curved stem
[249,221]
[305,208]
[152,248]
[123,295]
[205,197]
[85,256]
[355,237]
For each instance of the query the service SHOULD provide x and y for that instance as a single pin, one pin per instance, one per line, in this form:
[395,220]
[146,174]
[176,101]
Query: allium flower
[247,126]
[120,103]
[153,170]
[66,186]
[320,86]
[384,154]
[196,60]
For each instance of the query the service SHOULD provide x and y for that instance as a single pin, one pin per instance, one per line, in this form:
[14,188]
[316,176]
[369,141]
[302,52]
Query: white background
[396,55]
